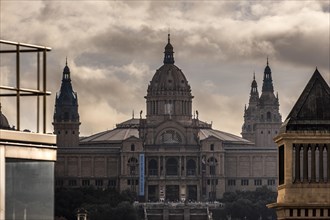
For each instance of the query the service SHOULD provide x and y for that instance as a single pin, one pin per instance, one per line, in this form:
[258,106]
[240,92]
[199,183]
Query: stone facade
[168,155]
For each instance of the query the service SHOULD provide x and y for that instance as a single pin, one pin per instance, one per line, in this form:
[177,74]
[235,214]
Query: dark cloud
[114,48]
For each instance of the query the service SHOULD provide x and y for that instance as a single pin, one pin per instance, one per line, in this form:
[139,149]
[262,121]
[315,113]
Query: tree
[101,204]
[247,204]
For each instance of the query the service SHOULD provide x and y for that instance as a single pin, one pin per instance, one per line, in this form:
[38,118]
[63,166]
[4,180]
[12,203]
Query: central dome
[169,93]
[168,77]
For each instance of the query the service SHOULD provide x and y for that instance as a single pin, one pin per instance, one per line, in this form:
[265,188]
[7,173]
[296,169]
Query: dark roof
[312,109]
[115,135]
[223,136]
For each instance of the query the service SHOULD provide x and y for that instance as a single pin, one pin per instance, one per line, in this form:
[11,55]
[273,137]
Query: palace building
[169,154]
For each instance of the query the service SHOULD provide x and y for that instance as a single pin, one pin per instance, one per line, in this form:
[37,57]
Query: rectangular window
[59,182]
[133,182]
[244,182]
[271,182]
[112,183]
[212,147]
[231,182]
[72,182]
[281,164]
[29,189]
[98,182]
[257,182]
[212,182]
[85,182]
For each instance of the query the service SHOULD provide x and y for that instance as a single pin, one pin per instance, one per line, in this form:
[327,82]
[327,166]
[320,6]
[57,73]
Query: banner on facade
[141,175]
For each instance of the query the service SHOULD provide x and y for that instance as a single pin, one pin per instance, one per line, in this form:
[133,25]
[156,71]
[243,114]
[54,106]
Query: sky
[113,49]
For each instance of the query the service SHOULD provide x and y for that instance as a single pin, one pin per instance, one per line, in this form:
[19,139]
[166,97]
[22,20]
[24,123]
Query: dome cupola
[168,53]
[169,92]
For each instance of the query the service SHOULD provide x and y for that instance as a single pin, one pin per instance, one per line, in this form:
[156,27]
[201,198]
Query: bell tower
[66,117]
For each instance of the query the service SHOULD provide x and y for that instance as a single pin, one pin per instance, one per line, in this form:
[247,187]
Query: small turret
[254,94]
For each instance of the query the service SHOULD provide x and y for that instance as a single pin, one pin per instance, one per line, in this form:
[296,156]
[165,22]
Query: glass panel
[29,190]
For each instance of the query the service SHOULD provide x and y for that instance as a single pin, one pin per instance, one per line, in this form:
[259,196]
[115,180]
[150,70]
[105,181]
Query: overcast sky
[115,47]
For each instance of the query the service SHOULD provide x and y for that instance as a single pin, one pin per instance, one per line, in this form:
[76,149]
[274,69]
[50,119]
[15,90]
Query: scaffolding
[17,91]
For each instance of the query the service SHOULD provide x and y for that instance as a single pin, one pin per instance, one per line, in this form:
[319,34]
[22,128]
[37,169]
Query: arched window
[191,167]
[170,137]
[66,116]
[269,116]
[153,167]
[172,167]
[132,147]
[132,164]
[212,163]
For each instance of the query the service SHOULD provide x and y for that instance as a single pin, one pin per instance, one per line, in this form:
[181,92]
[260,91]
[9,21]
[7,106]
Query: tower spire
[254,94]
[168,54]
[267,85]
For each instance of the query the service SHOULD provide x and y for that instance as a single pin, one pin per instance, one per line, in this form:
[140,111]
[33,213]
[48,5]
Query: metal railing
[17,91]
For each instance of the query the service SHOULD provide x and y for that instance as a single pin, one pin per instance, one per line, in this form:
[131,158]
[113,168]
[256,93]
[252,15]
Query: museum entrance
[192,192]
[152,193]
[172,193]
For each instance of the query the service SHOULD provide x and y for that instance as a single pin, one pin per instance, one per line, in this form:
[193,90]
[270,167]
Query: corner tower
[262,119]
[251,112]
[66,117]
[169,94]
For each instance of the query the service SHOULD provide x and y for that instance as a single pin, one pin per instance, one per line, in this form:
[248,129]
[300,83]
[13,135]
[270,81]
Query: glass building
[27,159]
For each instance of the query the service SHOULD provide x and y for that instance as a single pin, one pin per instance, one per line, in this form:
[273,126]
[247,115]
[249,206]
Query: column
[297,163]
[93,166]
[313,170]
[305,163]
[157,107]
[158,170]
[121,166]
[321,163]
